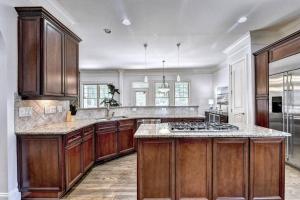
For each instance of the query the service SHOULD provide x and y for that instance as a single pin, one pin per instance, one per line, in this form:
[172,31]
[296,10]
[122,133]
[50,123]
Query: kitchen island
[239,164]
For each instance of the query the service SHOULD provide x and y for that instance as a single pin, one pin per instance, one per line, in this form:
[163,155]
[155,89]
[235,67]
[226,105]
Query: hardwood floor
[116,180]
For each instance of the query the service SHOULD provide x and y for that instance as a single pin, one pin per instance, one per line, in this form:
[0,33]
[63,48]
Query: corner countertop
[249,131]
[67,127]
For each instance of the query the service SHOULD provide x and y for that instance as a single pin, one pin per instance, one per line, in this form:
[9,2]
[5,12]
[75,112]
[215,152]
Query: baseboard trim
[12,195]
[3,196]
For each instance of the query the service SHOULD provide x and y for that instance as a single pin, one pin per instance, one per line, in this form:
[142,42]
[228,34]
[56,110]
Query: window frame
[189,92]
[146,95]
[98,94]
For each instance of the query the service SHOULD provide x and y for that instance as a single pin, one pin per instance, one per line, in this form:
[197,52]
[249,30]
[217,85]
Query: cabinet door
[262,112]
[53,60]
[71,66]
[193,170]
[262,74]
[29,56]
[156,169]
[126,140]
[88,151]
[267,162]
[73,162]
[230,168]
[106,144]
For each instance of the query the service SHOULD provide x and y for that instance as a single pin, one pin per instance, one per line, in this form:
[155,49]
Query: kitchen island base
[211,168]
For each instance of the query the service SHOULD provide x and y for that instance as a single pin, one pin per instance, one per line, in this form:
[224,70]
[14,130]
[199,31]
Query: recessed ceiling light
[126,22]
[242,20]
[107,30]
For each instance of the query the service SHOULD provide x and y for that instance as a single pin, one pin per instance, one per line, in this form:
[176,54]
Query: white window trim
[189,91]
[98,92]
[140,90]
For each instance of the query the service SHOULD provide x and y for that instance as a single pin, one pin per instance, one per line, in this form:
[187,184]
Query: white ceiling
[204,28]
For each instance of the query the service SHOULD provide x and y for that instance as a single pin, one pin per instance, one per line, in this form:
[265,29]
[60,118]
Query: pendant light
[164,87]
[146,77]
[178,46]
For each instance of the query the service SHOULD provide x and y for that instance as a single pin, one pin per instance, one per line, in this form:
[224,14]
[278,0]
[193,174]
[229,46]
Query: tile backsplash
[32,113]
[56,112]
[148,111]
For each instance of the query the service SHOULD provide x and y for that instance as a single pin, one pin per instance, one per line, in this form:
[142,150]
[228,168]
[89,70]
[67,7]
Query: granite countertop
[162,131]
[67,127]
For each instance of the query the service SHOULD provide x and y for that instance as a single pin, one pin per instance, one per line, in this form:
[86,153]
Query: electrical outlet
[192,109]
[50,109]
[59,109]
[133,109]
[25,111]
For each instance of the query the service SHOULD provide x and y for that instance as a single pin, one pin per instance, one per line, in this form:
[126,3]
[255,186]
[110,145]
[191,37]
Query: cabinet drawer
[88,130]
[129,122]
[73,137]
[106,126]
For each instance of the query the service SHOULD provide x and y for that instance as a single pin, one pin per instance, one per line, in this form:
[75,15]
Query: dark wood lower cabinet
[126,136]
[156,169]
[194,169]
[73,160]
[40,166]
[211,168]
[230,169]
[267,162]
[88,148]
[106,144]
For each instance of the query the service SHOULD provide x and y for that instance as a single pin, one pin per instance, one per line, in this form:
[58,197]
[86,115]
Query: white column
[8,86]
[121,86]
[3,124]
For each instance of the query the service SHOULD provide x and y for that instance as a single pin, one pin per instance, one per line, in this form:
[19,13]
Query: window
[161,98]
[103,93]
[90,96]
[181,93]
[94,94]
[140,98]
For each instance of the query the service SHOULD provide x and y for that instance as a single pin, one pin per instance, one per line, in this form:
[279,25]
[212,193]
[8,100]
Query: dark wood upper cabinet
[53,70]
[262,74]
[262,112]
[285,49]
[48,56]
[71,66]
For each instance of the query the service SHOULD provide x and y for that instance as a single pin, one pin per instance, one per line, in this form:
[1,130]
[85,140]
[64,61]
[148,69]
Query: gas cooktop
[201,126]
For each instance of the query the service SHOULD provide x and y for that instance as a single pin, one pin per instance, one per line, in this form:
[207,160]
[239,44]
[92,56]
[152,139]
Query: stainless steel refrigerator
[284,103]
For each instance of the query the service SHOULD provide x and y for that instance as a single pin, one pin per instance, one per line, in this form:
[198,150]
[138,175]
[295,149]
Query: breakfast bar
[204,161]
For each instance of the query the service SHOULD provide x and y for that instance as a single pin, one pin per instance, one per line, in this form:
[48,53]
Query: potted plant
[111,102]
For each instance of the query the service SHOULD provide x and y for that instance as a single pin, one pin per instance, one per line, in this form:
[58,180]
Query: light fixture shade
[178,78]
[210,102]
[146,79]
[164,89]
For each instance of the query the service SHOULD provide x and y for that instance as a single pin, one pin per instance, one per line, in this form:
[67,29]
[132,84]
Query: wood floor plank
[116,180]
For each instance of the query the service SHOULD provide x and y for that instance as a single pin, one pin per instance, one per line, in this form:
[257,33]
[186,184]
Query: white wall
[221,79]
[8,85]
[201,83]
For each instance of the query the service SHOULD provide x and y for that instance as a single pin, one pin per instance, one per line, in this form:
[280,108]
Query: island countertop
[245,130]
